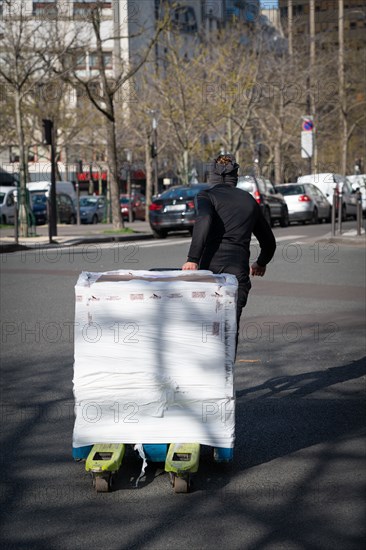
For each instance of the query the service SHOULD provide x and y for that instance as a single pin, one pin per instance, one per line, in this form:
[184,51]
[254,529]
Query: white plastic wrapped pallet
[154,357]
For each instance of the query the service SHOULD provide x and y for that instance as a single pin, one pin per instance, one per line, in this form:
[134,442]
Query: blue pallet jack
[181,460]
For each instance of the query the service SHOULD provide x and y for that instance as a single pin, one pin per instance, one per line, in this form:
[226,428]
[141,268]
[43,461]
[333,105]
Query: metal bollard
[16,220]
[359,212]
[340,211]
[334,207]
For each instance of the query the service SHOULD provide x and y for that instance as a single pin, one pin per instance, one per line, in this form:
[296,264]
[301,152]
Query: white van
[7,206]
[61,187]
[358,182]
[327,182]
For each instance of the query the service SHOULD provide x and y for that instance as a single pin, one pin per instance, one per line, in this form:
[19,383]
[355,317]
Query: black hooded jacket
[227,218]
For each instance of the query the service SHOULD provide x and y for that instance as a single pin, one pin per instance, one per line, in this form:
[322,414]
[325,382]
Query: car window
[247,184]
[262,185]
[346,187]
[10,200]
[291,190]
[269,187]
[2,197]
[65,200]
[88,201]
[38,198]
[182,193]
[317,192]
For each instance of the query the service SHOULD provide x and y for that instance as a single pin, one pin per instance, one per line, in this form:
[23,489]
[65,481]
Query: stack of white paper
[154,356]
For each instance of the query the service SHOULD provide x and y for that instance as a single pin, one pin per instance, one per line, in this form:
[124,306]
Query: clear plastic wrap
[154,357]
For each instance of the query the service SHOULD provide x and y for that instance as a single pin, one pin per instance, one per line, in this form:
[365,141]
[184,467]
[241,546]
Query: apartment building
[326,21]
[126,28]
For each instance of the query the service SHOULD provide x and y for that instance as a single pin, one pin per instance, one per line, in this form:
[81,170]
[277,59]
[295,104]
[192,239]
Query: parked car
[138,205]
[358,182]
[92,209]
[174,210]
[305,202]
[326,183]
[38,204]
[66,211]
[7,206]
[273,204]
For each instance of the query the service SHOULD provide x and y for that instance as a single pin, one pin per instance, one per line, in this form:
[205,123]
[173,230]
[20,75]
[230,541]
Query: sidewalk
[72,235]
[347,237]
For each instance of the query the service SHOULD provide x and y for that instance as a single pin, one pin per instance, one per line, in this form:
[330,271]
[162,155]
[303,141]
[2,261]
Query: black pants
[243,291]
[243,288]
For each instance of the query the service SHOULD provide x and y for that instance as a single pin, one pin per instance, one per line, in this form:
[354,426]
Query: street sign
[307,144]
[307,124]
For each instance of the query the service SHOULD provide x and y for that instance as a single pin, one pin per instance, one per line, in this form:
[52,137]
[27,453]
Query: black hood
[224,173]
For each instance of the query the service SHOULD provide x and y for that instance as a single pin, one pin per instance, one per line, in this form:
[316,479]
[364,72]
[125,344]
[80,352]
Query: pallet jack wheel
[181,485]
[102,484]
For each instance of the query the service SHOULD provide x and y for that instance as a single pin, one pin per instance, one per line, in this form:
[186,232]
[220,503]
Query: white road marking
[187,242]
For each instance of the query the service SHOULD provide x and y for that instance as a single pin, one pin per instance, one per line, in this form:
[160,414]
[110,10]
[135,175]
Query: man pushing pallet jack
[179,376]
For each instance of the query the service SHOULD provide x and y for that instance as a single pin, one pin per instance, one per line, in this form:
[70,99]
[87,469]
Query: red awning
[85,176]
[138,175]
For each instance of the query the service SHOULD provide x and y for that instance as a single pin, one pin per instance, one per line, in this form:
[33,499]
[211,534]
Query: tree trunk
[278,163]
[23,168]
[117,220]
[148,172]
[185,167]
[342,91]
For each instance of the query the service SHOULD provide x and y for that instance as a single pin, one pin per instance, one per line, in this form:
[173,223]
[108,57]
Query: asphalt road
[298,477]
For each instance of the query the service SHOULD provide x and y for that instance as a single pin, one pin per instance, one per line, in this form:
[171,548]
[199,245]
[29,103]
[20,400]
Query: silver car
[305,202]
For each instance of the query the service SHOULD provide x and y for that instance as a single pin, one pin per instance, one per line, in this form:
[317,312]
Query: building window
[298,10]
[184,18]
[46,8]
[83,7]
[80,61]
[94,63]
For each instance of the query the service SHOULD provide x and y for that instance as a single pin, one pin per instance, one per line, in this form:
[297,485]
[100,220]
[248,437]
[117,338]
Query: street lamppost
[49,139]
[154,148]
[129,195]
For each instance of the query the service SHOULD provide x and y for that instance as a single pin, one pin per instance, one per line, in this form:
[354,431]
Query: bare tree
[104,96]
[26,57]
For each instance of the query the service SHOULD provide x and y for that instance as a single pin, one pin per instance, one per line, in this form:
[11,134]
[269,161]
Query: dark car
[273,204]
[92,209]
[138,205]
[174,210]
[66,211]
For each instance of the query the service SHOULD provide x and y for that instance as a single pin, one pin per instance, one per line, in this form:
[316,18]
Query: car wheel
[159,233]
[95,219]
[3,220]
[267,216]
[72,219]
[285,221]
[315,216]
